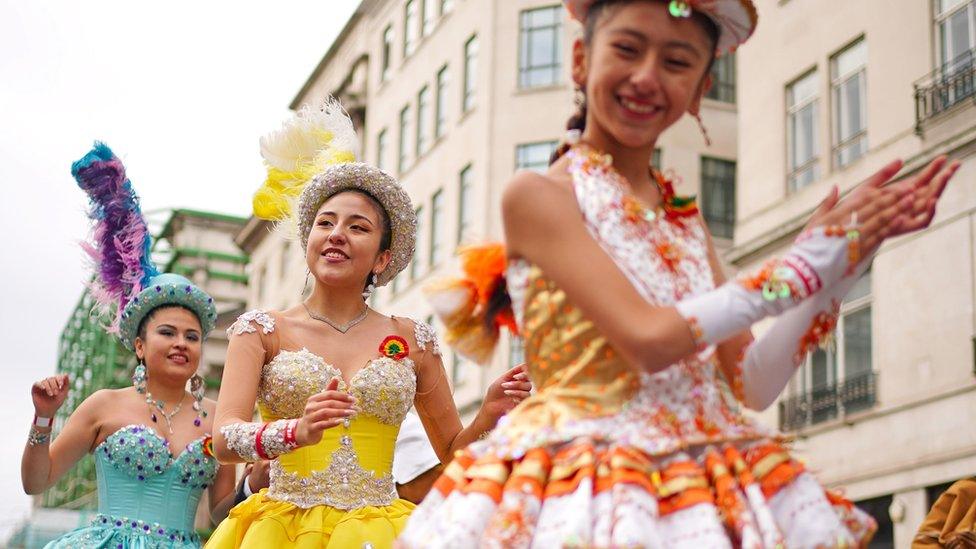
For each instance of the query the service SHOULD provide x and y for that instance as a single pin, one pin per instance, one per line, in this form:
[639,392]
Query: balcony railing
[945,87]
[828,402]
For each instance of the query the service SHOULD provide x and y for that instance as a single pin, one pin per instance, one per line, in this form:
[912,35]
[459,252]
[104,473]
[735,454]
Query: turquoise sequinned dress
[147,499]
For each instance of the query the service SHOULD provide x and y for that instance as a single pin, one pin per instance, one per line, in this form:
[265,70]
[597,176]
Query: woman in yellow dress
[333,379]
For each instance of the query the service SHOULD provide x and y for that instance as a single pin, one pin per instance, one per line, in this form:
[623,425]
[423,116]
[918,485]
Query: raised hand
[323,411]
[927,188]
[877,211]
[507,391]
[48,394]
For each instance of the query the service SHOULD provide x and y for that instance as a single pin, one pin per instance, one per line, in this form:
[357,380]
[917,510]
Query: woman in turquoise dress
[152,444]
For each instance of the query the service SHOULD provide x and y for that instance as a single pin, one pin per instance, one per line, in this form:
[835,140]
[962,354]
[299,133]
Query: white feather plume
[313,135]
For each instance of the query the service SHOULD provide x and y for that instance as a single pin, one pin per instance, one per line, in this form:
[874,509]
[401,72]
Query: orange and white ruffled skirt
[588,494]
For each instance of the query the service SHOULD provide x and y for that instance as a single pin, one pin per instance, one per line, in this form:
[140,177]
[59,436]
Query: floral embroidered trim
[344,484]
[395,347]
[158,534]
[697,333]
[819,334]
[425,334]
[243,324]
[241,439]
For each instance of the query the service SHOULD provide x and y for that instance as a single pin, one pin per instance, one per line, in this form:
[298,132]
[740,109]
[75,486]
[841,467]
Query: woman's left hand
[507,391]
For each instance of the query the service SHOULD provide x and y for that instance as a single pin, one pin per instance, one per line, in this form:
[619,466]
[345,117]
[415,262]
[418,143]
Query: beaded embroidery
[384,387]
[141,453]
[425,334]
[243,323]
[150,535]
[343,485]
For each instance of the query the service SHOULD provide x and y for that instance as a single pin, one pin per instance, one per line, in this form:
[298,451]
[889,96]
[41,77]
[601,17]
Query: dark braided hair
[578,119]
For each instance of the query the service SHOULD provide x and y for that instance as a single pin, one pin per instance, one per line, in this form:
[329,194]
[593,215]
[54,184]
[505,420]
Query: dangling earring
[701,126]
[197,389]
[305,286]
[579,98]
[370,287]
[139,378]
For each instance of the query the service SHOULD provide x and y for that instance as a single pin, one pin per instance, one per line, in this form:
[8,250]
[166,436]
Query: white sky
[180,90]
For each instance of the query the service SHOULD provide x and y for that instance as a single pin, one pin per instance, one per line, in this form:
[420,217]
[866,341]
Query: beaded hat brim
[378,184]
[162,290]
[736,19]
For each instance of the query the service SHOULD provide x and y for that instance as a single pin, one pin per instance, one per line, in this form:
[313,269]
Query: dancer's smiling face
[170,343]
[349,239]
[642,69]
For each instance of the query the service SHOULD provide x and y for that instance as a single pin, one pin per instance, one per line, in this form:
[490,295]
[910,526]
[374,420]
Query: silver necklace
[160,405]
[341,328]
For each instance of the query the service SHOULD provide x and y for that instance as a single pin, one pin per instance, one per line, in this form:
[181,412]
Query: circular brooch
[395,347]
[207,447]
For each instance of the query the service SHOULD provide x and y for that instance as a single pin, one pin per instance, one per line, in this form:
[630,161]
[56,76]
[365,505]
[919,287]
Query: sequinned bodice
[580,377]
[351,467]
[139,479]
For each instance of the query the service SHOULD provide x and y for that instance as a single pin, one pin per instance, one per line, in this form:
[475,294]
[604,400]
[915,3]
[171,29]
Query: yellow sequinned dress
[604,456]
[340,492]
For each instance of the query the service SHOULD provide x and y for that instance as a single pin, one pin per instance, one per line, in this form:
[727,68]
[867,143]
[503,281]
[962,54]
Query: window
[540,51]
[718,195]
[403,154]
[410,27]
[465,204]
[848,84]
[440,105]
[429,17]
[723,79]
[470,73]
[387,54]
[801,138]
[415,263]
[839,379]
[956,22]
[381,149]
[436,251]
[534,156]
[423,107]
[656,159]
[446,6]
[884,537]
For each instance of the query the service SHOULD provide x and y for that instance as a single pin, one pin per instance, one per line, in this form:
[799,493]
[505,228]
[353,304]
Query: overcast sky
[180,90]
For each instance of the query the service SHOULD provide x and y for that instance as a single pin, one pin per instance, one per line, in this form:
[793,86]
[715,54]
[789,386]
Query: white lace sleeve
[425,335]
[245,323]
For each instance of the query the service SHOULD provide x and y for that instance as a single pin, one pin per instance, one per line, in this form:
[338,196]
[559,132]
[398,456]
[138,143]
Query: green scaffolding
[93,360]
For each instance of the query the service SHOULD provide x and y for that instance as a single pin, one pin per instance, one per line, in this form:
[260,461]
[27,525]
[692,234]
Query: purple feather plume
[120,239]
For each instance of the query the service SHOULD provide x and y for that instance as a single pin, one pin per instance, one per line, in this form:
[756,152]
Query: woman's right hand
[323,411]
[48,394]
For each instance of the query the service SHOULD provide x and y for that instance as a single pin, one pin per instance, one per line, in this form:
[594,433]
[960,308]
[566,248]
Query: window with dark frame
[403,154]
[465,204]
[723,79]
[440,104]
[436,250]
[849,91]
[470,73]
[718,195]
[534,156]
[802,141]
[422,140]
[540,47]
[387,54]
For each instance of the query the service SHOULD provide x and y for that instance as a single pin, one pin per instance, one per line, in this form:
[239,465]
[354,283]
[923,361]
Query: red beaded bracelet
[291,429]
[259,444]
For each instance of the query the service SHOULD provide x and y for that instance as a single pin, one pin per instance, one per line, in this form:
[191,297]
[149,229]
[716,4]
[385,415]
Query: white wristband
[43,421]
[246,488]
